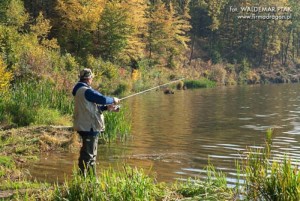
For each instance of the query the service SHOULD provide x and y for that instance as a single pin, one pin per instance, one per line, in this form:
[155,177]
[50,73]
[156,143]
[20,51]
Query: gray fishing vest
[86,113]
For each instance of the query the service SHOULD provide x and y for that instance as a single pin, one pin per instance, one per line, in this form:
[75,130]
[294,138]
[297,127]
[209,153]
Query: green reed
[213,186]
[201,83]
[128,184]
[41,102]
[117,124]
[22,106]
[270,180]
[42,94]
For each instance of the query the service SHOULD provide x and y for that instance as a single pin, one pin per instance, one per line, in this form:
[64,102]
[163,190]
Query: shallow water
[174,136]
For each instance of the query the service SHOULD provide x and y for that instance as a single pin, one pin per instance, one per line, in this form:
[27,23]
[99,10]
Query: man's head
[86,75]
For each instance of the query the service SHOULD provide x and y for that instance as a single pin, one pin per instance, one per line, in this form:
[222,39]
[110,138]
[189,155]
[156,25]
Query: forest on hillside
[43,37]
[132,45]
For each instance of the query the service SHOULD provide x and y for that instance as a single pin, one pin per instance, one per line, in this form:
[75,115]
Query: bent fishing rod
[141,92]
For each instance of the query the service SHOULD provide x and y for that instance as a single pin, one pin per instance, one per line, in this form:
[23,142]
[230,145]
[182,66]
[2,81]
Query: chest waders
[88,154]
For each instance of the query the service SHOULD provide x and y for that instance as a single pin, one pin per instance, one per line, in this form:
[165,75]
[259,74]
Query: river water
[176,136]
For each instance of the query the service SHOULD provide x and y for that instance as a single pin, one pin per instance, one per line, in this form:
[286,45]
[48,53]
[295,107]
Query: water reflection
[177,135]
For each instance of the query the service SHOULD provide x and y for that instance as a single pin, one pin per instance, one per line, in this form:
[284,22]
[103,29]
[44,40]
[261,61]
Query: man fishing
[89,120]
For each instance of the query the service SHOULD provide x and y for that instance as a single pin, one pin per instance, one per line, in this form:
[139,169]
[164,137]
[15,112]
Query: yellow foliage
[137,19]
[135,74]
[81,14]
[16,13]
[42,26]
[41,29]
[5,78]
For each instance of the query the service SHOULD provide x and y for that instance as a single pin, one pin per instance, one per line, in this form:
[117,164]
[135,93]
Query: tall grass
[28,101]
[42,94]
[129,184]
[270,180]
[42,103]
[134,185]
[117,124]
[212,187]
[201,83]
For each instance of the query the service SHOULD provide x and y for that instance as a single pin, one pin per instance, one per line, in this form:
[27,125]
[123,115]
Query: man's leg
[88,154]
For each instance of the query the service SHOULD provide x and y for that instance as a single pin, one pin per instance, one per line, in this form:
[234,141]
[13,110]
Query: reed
[42,103]
[129,184]
[42,94]
[213,186]
[270,180]
[28,101]
[117,124]
[201,83]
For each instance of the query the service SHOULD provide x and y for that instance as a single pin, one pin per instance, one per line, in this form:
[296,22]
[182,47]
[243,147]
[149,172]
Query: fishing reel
[115,108]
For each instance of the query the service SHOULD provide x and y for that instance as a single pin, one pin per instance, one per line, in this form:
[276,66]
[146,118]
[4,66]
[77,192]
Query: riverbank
[22,146]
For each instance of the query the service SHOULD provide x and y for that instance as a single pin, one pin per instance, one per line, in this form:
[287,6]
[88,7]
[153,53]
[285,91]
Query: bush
[122,89]
[180,85]
[231,80]
[243,71]
[5,78]
[218,74]
[216,57]
[253,78]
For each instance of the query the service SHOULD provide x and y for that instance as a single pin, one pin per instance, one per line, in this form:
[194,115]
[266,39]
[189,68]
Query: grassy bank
[134,184]
[20,147]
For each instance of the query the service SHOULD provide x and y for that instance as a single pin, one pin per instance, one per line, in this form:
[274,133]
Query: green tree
[114,30]
[13,13]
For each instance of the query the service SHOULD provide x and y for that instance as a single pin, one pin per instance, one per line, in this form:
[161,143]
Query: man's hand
[116,100]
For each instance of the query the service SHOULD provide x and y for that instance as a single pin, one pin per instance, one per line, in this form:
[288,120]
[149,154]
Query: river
[175,136]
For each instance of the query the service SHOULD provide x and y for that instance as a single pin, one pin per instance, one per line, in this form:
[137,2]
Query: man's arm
[96,97]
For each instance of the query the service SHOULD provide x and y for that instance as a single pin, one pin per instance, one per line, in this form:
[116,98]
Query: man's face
[89,81]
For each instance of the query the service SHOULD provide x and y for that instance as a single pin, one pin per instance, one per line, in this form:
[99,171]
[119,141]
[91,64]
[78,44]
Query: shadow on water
[176,135]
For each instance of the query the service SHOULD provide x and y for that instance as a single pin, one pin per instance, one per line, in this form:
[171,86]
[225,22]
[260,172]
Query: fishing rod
[141,92]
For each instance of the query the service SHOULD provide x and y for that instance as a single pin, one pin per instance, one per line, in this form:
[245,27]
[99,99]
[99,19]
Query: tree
[166,35]
[138,22]
[13,13]
[114,30]
[79,18]
[41,30]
